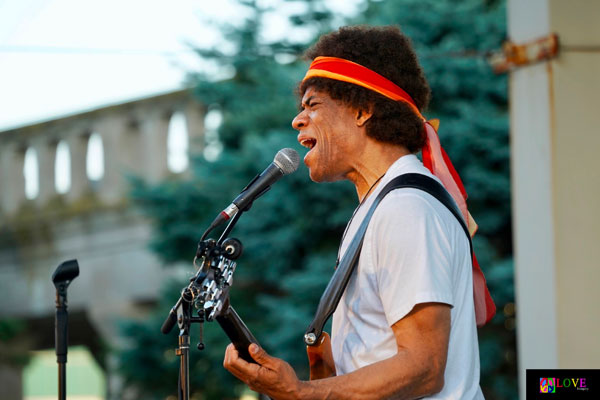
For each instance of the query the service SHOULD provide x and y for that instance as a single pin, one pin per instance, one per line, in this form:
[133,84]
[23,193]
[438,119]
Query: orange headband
[347,71]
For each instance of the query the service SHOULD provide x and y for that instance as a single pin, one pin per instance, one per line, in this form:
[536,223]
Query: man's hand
[272,376]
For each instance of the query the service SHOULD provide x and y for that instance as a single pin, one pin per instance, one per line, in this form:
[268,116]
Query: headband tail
[444,170]
[485,309]
[437,161]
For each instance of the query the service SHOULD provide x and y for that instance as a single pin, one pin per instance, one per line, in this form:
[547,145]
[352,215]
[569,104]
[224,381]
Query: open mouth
[309,143]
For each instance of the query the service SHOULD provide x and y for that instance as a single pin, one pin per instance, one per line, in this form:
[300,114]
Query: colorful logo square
[547,385]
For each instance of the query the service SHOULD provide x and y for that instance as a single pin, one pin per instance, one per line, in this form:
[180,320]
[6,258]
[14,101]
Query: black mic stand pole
[62,277]
[184,320]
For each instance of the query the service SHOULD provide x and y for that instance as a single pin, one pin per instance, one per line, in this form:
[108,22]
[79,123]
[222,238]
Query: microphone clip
[230,248]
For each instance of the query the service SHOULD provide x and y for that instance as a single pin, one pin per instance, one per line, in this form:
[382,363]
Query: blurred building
[64,195]
[556,186]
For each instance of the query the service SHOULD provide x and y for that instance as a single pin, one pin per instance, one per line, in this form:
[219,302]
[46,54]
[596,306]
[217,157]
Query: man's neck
[372,164]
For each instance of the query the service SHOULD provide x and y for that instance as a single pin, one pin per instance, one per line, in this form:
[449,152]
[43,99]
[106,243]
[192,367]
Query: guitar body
[320,358]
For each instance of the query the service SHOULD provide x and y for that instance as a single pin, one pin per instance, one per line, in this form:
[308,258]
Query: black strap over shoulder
[334,290]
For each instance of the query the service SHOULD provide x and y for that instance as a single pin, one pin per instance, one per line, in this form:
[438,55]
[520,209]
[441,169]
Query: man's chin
[315,177]
[320,177]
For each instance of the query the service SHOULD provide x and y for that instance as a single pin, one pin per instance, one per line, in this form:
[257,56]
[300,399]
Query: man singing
[406,324]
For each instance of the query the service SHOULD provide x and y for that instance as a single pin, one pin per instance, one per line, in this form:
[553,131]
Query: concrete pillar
[79,180]
[12,157]
[112,187]
[46,153]
[194,115]
[576,85]
[533,226]
[130,147]
[554,187]
[154,130]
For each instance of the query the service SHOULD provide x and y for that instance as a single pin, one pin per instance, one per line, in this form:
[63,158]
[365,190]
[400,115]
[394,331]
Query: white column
[576,84]
[531,180]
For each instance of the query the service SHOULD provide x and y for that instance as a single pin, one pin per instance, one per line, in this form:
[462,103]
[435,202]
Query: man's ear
[362,116]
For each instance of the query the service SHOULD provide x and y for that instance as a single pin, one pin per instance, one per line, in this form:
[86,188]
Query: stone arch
[177,143]
[31,173]
[212,121]
[62,168]
[94,158]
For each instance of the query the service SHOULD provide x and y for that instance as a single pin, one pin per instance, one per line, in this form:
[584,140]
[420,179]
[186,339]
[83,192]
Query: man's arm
[417,369]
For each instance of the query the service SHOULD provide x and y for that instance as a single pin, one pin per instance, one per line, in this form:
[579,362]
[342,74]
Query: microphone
[285,162]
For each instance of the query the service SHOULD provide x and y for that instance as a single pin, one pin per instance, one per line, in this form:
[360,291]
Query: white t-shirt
[414,251]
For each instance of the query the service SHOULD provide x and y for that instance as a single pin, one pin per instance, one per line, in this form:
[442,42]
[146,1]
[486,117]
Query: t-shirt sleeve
[411,251]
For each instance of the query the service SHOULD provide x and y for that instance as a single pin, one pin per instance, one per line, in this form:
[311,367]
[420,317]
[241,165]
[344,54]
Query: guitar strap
[338,282]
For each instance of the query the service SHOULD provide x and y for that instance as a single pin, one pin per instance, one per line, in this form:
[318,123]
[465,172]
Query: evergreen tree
[291,234]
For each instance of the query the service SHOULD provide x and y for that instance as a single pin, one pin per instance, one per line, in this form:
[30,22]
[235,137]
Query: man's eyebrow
[307,102]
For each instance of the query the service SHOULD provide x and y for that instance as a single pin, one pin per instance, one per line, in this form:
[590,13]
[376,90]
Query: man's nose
[299,121]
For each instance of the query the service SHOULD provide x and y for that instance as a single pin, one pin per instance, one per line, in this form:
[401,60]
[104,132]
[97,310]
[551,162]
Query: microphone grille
[288,160]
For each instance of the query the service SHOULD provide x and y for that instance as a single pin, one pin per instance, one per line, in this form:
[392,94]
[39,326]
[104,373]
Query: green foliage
[13,349]
[10,328]
[291,234]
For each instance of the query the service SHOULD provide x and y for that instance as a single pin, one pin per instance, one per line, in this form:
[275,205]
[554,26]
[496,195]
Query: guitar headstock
[208,293]
[210,288]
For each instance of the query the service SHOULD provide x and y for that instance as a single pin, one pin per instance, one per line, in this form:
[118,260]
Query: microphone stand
[62,278]
[181,313]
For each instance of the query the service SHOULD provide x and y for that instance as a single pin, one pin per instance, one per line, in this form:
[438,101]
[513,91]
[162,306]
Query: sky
[60,57]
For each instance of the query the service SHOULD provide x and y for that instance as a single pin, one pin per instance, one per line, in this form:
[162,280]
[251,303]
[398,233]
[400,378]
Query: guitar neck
[238,332]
